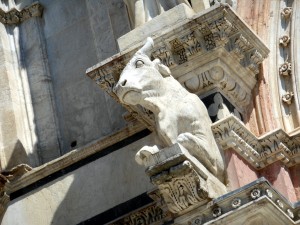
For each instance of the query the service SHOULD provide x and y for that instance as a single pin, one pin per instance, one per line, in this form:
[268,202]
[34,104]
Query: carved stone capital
[183,182]
[14,17]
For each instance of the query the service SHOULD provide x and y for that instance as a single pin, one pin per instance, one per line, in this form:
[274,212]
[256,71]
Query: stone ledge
[72,157]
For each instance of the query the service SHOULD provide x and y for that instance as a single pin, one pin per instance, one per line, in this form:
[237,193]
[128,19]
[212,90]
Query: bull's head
[141,78]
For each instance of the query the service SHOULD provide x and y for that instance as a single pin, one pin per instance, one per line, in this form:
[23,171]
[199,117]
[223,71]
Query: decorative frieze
[259,152]
[14,16]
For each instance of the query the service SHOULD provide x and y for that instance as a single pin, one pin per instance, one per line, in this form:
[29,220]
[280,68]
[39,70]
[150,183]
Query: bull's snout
[123,83]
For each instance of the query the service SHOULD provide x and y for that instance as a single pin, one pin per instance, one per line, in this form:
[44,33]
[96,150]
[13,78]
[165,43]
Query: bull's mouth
[130,97]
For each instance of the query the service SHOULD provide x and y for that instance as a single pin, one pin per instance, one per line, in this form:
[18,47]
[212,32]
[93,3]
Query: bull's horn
[148,46]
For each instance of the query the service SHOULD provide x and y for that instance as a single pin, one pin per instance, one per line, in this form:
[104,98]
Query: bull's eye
[139,63]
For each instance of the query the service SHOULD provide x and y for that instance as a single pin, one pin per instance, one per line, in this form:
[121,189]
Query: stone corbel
[259,152]
[14,16]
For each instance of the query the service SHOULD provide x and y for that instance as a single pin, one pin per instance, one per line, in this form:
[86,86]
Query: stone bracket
[15,17]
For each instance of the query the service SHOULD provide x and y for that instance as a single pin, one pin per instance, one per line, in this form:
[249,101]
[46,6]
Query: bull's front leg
[142,156]
[199,148]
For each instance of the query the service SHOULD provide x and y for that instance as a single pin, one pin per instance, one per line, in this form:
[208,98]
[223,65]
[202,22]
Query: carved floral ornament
[14,16]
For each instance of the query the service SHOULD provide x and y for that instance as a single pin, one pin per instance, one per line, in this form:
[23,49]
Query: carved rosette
[181,187]
[286,12]
[285,69]
[14,17]
[284,40]
[288,97]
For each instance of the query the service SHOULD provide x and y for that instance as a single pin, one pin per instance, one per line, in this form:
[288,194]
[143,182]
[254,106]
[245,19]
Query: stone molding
[14,16]
[214,49]
[261,151]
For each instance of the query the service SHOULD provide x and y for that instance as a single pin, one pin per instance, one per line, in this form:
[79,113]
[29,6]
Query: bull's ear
[163,70]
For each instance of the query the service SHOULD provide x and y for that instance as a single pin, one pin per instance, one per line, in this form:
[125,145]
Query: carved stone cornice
[258,151]
[14,16]
[213,50]
[257,199]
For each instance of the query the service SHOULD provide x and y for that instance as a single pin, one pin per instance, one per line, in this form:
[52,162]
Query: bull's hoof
[143,154]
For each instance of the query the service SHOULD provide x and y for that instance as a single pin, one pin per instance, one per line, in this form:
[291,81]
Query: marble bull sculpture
[180,116]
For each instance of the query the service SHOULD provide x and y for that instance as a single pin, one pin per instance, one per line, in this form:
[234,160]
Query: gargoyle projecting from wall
[180,116]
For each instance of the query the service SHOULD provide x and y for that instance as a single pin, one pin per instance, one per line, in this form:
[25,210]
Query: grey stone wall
[63,109]
[85,192]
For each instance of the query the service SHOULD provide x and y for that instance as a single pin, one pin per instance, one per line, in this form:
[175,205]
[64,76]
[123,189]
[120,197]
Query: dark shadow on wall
[18,156]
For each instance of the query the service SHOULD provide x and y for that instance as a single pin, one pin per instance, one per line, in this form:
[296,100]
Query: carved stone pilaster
[14,17]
